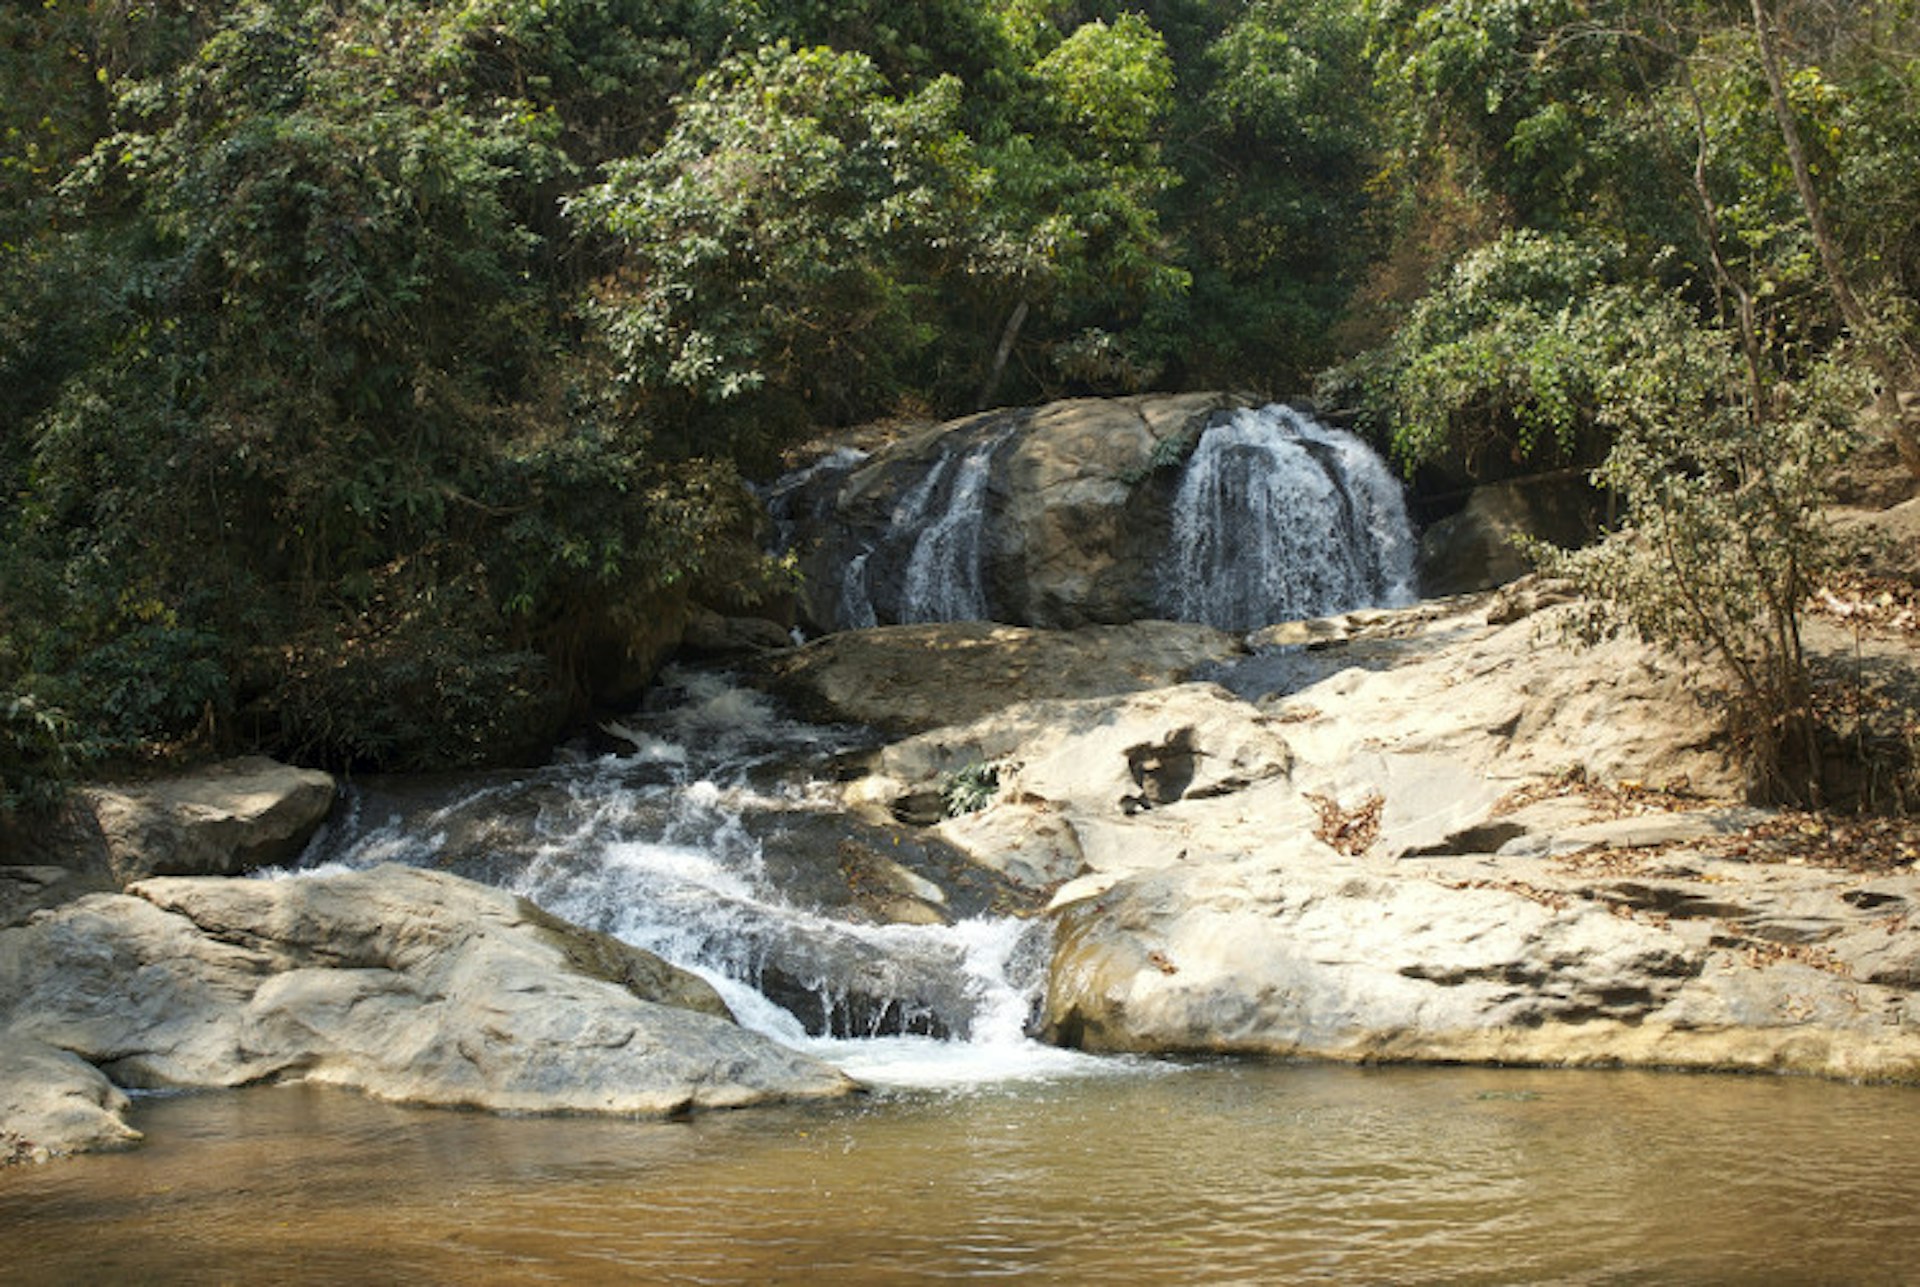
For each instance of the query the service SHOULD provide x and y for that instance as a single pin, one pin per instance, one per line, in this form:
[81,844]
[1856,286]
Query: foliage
[777,253]
[375,367]
[40,751]
[1508,357]
[970,788]
[1276,144]
[1726,534]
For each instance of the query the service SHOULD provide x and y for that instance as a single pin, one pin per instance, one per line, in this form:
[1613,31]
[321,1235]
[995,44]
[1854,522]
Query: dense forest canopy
[374,367]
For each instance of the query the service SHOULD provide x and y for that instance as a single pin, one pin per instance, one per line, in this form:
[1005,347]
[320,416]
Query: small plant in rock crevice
[970,788]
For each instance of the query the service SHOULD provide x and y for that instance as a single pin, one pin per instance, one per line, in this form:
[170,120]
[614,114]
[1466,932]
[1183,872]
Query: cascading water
[926,564]
[672,847]
[944,577]
[1279,518]
[1273,517]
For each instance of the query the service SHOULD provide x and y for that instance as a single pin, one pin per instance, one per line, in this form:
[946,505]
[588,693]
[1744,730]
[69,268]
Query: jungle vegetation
[373,367]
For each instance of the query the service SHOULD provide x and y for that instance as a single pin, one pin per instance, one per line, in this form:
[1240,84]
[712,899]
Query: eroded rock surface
[406,984]
[1677,958]
[1424,855]
[915,677]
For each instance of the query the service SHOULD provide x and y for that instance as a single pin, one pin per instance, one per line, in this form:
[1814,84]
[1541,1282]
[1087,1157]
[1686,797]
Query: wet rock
[1076,500]
[409,985]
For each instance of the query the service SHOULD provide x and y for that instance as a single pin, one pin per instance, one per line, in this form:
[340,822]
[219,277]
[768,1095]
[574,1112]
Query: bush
[1725,534]
[39,752]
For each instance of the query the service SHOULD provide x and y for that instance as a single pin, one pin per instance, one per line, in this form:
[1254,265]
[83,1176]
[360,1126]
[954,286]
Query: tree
[1887,350]
[776,258]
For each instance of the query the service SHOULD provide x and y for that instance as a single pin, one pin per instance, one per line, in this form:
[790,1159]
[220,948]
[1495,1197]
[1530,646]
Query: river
[979,1153]
[1142,1173]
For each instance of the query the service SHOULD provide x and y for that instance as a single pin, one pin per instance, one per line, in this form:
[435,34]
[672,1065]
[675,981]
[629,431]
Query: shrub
[1725,534]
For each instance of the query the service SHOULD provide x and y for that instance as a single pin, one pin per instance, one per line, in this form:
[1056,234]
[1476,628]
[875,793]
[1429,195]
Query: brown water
[1223,1173]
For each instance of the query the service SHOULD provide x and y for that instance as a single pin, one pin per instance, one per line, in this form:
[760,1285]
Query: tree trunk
[1008,335]
[1894,373]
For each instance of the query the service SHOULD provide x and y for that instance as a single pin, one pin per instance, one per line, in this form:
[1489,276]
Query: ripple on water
[1212,1173]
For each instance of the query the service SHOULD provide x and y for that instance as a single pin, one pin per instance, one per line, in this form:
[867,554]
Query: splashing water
[666,849]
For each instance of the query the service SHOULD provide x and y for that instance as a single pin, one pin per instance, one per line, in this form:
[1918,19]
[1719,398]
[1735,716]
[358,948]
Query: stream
[978,1152]
[1205,1173]
[707,828]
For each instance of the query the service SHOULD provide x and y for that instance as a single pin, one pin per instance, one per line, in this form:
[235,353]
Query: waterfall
[686,846]
[937,530]
[1274,516]
[943,580]
[1279,517]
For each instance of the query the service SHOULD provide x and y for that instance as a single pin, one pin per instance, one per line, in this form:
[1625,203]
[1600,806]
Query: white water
[940,524]
[1281,518]
[655,847]
[944,580]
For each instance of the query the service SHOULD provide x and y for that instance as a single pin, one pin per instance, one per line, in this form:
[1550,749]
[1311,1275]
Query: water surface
[1210,1174]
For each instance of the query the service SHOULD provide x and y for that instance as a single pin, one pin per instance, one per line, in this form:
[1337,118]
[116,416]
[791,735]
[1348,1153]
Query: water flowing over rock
[1280,518]
[1090,512]
[716,844]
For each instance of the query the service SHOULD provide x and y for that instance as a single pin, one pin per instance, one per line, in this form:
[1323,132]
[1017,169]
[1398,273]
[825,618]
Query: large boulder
[1081,536]
[222,820]
[409,985]
[1076,495]
[219,820]
[1473,548]
[1665,958]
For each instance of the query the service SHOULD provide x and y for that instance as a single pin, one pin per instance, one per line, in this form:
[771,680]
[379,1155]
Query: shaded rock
[709,634]
[25,889]
[1474,550]
[1083,526]
[911,678]
[409,985]
[220,821]
[1890,539]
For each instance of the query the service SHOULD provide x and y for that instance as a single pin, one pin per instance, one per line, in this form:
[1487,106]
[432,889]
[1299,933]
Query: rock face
[1077,494]
[406,984]
[1456,714]
[907,678]
[220,821]
[1351,869]
[1473,549]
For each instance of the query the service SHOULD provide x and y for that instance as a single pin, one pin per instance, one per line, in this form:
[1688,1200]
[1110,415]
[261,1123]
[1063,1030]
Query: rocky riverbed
[1440,833]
